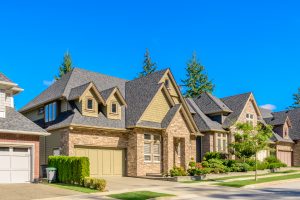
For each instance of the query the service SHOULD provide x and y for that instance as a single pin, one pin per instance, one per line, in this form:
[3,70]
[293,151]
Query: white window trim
[151,141]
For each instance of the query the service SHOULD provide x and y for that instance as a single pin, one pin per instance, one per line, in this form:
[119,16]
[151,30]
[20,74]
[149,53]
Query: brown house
[132,128]
[216,118]
[287,134]
[19,139]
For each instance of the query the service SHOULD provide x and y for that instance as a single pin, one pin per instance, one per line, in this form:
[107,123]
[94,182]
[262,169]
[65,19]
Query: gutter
[24,132]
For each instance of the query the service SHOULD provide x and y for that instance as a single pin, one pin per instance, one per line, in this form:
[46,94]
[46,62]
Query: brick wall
[29,139]
[296,154]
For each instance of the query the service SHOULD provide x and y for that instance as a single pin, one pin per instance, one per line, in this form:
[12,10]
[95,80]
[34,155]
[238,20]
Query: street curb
[269,183]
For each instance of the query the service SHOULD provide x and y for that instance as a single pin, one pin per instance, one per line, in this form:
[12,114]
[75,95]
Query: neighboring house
[287,138]
[216,119]
[19,139]
[132,128]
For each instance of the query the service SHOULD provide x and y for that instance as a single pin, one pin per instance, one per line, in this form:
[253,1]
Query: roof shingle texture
[15,121]
[4,78]
[236,104]
[210,104]
[77,77]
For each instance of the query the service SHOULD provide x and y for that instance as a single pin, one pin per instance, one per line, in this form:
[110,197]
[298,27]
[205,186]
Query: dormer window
[50,112]
[90,104]
[167,83]
[114,108]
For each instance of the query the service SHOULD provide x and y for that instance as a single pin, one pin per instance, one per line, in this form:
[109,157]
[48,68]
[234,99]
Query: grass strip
[74,187]
[243,183]
[140,195]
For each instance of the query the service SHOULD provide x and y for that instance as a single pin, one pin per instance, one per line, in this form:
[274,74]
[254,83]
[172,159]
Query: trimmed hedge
[94,183]
[70,169]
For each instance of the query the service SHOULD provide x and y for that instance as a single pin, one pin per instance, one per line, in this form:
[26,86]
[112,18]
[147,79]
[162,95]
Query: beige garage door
[285,157]
[104,162]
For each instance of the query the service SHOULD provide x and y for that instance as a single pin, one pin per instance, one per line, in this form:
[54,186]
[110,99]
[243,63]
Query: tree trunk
[255,166]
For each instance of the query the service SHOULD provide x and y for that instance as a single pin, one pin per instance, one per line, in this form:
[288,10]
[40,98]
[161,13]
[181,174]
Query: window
[15,149]
[41,111]
[152,148]
[222,142]
[90,104]
[6,149]
[56,151]
[114,108]
[167,83]
[50,112]
[250,118]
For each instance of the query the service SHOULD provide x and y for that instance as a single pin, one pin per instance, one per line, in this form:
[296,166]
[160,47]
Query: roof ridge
[90,71]
[236,95]
[71,73]
[212,97]
[155,72]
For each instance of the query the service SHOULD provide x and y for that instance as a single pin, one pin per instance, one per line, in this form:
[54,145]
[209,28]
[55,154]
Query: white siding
[2,103]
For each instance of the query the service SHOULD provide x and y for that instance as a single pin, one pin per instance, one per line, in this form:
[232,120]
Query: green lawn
[243,183]
[74,187]
[242,176]
[140,195]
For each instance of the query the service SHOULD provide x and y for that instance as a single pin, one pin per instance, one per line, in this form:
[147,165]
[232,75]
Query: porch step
[160,178]
[154,175]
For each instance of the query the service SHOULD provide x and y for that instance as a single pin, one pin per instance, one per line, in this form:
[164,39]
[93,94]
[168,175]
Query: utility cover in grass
[140,195]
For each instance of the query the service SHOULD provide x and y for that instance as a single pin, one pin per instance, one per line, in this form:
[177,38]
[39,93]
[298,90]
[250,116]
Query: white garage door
[285,157]
[15,164]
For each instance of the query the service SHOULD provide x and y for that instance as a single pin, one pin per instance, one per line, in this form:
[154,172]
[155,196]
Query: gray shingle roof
[294,116]
[4,78]
[236,104]
[106,93]
[170,115]
[77,77]
[210,104]
[78,91]
[138,95]
[15,121]
[203,122]
[278,118]
[266,113]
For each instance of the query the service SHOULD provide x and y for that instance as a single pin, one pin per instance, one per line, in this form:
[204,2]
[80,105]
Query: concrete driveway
[32,191]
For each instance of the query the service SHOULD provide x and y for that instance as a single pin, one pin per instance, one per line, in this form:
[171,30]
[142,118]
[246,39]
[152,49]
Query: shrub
[94,183]
[202,171]
[216,166]
[193,168]
[177,171]
[87,182]
[240,167]
[272,159]
[70,169]
[211,155]
[229,163]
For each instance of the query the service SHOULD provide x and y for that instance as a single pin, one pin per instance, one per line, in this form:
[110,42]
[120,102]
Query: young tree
[148,66]
[250,140]
[66,66]
[296,98]
[196,81]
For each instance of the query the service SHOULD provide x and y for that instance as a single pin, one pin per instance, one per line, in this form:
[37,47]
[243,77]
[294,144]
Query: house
[19,139]
[131,128]
[287,134]
[216,119]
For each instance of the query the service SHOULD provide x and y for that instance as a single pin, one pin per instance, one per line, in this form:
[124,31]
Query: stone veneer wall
[178,129]
[94,137]
[296,154]
[135,160]
[23,139]
[208,143]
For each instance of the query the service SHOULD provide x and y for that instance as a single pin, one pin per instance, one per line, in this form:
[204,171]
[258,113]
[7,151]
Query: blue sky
[244,45]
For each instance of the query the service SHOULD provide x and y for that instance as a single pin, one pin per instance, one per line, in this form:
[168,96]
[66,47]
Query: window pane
[147,158]
[147,148]
[156,158]
[4,148]
[47,113]
[50,112]
[90,104]
[147,136]
[20,149]
[156,149]
[54,111]
[219,145]
[157,137]
[114,108]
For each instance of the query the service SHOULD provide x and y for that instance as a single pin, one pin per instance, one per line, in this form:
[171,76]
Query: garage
[285,157]
[104,161]
[15,164]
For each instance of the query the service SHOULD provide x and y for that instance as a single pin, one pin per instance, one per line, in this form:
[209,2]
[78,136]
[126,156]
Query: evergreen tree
[196,81]
[66,66]
[148,66]
[296,98]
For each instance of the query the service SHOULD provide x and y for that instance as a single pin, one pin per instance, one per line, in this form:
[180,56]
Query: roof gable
[210,104]
[107,94]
